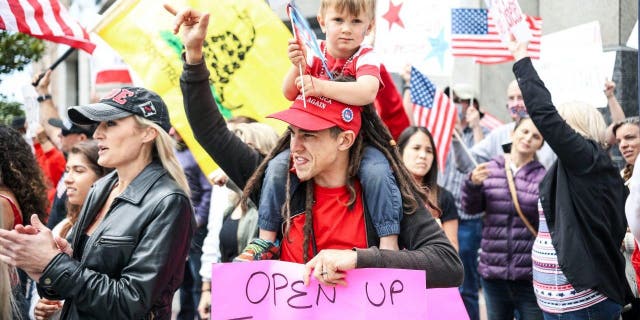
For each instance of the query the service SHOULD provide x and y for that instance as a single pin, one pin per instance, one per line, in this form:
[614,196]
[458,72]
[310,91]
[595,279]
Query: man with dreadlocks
[325,216]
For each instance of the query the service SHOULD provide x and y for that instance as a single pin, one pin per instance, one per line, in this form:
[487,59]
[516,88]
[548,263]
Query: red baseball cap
[321,113]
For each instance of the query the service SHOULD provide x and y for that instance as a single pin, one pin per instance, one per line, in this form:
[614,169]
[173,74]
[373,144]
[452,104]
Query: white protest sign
[632,42]
[509,19]
[571,65]
[415,32]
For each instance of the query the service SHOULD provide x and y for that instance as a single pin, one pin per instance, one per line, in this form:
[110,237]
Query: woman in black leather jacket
[134,228]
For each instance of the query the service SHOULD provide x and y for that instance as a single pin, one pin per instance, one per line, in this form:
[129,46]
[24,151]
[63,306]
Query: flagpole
[63,57]
[455,130]
[295,36]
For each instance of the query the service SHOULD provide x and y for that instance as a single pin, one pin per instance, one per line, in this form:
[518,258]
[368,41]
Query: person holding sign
[578,269]
[327,146]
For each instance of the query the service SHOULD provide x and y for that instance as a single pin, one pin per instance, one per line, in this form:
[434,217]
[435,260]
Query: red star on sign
[393,15]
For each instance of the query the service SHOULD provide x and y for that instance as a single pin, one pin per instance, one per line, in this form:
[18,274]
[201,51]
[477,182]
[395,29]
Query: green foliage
[18,50]
[9,110]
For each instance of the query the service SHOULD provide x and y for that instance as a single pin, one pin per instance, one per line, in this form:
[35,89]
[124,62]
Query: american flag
[433,110]
[490,122]
[473,34]
[44,19]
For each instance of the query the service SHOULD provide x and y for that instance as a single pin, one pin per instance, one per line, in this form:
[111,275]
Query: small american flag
[490,122]
[433,110]
[44,19]
[473,34]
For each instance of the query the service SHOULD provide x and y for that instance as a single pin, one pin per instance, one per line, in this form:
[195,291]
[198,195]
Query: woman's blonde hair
[164,151]
[260,136]
[584,119]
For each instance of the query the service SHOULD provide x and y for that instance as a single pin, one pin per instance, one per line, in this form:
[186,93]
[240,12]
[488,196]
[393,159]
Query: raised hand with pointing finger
[194,30]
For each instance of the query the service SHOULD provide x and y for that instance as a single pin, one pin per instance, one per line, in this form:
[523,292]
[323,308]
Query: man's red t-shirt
[334,225]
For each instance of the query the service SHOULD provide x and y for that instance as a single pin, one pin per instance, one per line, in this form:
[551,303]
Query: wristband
[43,97]
[405,88]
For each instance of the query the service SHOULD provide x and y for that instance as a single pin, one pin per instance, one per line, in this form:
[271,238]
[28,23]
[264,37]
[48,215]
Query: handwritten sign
[563,57]
[275,290]
[509,19]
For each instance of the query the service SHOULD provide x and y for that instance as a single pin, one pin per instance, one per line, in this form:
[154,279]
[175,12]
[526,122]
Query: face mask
[517,109]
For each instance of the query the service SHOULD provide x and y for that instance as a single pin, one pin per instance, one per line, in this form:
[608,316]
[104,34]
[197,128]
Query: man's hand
[329,266]
[473,117]
[204,307]
[194,29]
[609,88]
[43,86]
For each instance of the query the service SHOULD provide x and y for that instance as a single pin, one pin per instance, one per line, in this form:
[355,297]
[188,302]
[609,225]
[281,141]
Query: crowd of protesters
[108,215]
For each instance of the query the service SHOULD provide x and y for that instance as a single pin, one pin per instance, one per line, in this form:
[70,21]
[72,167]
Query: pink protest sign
[274,290]
[509,19]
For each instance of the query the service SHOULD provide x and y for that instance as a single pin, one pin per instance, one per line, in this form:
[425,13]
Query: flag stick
[63,57]
[295,36]
[464,147]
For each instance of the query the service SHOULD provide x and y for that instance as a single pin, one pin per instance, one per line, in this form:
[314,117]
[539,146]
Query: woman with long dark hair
[419,155]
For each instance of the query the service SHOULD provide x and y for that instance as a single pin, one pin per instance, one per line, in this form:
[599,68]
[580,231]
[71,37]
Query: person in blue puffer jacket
[505,260]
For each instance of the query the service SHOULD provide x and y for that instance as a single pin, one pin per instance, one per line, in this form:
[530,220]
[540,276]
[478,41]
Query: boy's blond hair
[353,7]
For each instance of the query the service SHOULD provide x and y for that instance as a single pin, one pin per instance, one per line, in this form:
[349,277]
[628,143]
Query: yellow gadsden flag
[245,51]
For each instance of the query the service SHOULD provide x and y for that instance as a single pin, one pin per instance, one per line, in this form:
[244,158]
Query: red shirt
[334,225]
[53,165]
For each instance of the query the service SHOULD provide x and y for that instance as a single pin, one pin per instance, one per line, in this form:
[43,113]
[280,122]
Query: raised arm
[47,109]
[237,159]
[617,114]
[576,152]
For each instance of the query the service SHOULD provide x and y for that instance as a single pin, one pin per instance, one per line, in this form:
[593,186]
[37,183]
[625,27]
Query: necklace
[344,66]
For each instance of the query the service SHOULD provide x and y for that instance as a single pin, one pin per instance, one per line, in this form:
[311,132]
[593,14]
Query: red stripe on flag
[487,48]
[439,120]
[55,5]
[33,15]
[38,15]
[21,20]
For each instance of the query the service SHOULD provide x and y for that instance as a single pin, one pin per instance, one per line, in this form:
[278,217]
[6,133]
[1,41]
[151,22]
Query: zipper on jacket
[114,241]
[509,236]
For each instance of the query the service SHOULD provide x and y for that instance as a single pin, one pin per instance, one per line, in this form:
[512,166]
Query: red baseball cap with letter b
[321,113]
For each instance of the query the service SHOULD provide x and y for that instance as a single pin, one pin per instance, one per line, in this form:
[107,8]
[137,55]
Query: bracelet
[43,97]
[405,88]
[206,290]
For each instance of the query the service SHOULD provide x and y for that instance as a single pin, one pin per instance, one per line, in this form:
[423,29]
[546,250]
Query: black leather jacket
[134,261]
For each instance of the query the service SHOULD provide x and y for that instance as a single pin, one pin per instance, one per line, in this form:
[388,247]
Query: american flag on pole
[473,34]
[490,122]
[432,109]
[44,19]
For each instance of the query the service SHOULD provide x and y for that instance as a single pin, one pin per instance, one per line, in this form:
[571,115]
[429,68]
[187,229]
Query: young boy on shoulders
[346,23]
